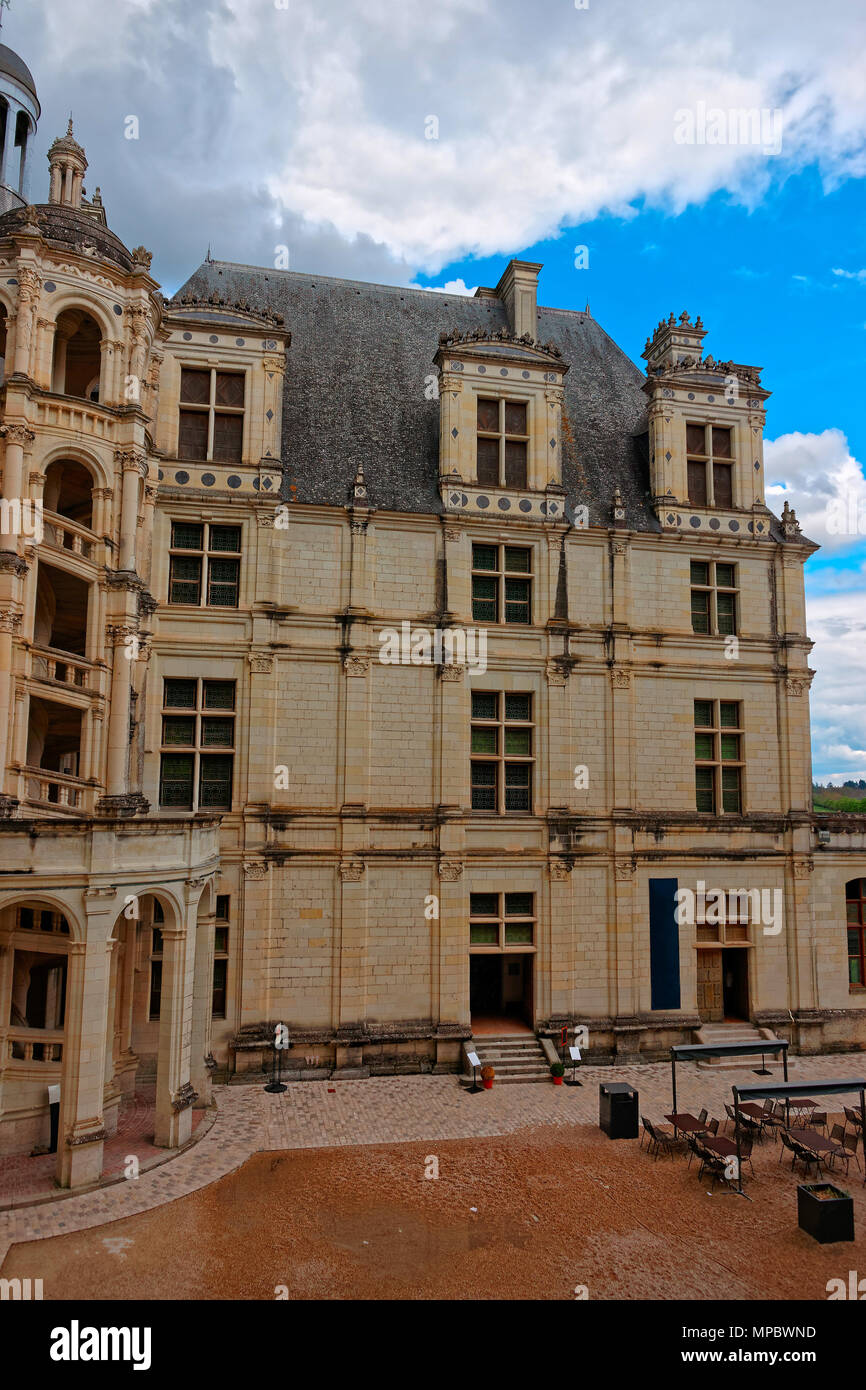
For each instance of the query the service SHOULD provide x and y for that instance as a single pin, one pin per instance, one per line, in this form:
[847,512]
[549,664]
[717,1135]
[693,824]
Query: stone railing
[63,534]
[34,1045]
[51,664]
[43,787]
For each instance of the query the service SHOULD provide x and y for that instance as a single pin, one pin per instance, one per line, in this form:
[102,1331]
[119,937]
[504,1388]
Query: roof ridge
[335,279]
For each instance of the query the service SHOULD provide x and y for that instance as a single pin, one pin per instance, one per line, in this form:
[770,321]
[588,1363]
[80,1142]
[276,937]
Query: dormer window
[503,443]
[710,466]
[211,426]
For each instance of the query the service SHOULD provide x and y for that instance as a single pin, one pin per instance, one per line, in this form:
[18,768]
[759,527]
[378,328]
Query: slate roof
[354,390]
[13,66]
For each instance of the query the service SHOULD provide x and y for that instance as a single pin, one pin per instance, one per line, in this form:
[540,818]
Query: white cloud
[819,477]
[452,287]
[837,625]
[850,274]
[314,116]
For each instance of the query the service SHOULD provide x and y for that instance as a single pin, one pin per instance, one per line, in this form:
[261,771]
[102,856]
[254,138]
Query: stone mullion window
[211,416]
[501,752]
[713,598]
[718,757]
[204,565]
[709,465]
[501,922]
[198,716]
[501,584]
[503,442]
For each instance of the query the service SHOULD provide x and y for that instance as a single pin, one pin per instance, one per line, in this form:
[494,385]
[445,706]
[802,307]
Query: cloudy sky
[418,143]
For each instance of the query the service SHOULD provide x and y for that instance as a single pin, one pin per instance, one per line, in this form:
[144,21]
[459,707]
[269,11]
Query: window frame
[710,461]
[503,438]
[206,556]
[211,409]
[717,764]
[712,589]
[858,927]
[500,919]
[501,575]
[501,759]
[198,749]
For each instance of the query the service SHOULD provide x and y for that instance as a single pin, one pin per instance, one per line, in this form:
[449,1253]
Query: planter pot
[488,1085]
[557,1081]
[825,1212]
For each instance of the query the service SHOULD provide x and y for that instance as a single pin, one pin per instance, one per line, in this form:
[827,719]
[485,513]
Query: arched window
[77,355]
[855,911]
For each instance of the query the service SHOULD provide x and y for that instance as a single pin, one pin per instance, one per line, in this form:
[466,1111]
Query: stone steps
[735,1033]
[516,1058]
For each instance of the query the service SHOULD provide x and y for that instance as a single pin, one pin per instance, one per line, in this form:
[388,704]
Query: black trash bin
[618,1110]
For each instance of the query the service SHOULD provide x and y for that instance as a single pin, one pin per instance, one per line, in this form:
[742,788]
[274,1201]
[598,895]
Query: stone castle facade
[373,660]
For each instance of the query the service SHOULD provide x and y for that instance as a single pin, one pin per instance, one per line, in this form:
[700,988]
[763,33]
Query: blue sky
[266,124]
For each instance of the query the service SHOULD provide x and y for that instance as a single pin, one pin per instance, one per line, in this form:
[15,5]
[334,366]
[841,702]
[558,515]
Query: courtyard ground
[324,1192]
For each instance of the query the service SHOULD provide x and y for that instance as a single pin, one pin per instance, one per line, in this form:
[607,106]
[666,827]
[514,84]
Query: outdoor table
[800,1107]
[689,1124]
[754,1112]
[720,1145]
[814,1141]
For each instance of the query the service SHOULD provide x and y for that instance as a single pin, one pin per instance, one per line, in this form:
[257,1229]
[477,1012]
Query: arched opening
[855,912]
[77,355]
[22,134]
[60,619]
[35,1012]
[69,491]
[4,118]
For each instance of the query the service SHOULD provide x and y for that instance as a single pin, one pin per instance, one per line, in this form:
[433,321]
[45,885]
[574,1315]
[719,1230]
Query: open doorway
[735,985]
[501,991]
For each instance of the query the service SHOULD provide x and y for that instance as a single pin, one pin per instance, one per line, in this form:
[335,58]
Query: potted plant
[487,1075]
[825,1212]
[557,1071]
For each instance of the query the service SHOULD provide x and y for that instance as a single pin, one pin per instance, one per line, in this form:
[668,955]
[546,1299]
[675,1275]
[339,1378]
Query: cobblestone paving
[383,1110]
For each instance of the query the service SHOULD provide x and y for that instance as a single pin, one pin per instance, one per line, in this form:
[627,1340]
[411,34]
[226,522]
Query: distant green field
[835,799]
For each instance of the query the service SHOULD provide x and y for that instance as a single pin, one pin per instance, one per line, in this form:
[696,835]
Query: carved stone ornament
[261,663]
[10,563]
[452,533]
[619,679]
[92,1136]
[10,620]
[266,520]
[555,674]
[452,672]
[623,869]
[184,1098]
[142,257]
[356,665]
[795,686]
[450,870]
[351,871]
[803,867]
[560,870]
[18,434]
[255,869]
[131,460]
